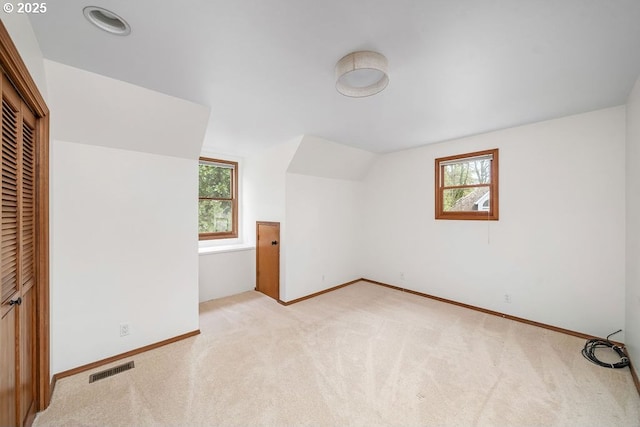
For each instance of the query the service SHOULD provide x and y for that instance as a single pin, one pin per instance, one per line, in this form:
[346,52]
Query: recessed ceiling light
[107,20]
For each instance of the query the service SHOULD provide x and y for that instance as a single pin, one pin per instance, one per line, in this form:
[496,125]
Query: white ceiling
[266,67]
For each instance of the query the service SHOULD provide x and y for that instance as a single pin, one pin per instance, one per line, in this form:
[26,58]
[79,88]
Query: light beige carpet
[362,355]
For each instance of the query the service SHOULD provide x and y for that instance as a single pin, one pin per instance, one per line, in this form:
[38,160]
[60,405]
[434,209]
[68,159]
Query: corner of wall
[632,245]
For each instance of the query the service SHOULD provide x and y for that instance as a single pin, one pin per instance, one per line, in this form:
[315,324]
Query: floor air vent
[111,372]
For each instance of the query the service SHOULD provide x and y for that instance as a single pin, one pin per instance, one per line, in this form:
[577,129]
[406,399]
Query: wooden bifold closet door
[18,298]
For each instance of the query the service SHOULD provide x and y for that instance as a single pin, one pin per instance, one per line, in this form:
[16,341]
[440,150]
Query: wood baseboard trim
[130,353]
[634,375]
[285,303]
[493,313]
[52,386]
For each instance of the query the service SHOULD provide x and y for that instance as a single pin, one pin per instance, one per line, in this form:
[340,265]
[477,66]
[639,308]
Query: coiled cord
[590,348]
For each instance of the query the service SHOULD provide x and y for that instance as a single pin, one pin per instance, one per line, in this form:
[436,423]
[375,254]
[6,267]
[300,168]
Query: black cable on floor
[590,347]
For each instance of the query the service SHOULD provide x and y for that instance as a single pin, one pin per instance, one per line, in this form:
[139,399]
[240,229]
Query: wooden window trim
[234,203]
[493,213]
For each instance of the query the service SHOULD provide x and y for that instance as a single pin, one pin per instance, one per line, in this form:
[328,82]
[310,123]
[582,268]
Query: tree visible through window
[218,199]
[467,186]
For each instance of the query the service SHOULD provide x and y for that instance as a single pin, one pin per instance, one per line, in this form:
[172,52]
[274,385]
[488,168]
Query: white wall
[226,273]
[124,250]
[264,196]
[124,221]
[323,234]
[632,323]
[323,212]
[558,248]
[264,179]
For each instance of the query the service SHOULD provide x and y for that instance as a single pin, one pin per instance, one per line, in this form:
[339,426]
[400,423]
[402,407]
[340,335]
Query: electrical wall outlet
[124,329]
[507,298]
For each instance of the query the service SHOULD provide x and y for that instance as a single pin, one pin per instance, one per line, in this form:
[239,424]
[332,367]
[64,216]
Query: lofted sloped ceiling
[266,67]
[96,110]
[318,157]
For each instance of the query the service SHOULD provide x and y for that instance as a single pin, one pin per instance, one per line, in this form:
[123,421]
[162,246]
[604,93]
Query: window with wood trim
[218,199]
[467,186]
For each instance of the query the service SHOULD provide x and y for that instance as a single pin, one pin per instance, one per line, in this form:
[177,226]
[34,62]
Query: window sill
[225,248]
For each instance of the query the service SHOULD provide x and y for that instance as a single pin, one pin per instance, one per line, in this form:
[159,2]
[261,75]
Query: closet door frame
[17,72]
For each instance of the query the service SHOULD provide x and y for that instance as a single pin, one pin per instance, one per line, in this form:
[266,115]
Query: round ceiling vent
[107,20]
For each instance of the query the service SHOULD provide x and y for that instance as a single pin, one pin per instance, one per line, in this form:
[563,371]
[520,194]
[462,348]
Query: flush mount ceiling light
[107,20]
[361,74]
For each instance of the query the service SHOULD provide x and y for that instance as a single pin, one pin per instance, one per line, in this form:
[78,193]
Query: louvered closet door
[17,271]
[27,268]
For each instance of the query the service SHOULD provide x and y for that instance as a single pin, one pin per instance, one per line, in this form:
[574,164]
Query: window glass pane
[215,181]
[466,199]
[467,173]
[215,216]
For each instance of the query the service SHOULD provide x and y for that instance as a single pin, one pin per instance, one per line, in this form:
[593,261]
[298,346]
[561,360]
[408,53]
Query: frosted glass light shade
[361,74]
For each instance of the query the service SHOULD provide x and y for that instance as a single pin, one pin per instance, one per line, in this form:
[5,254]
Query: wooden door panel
[10,283]
[27,310]
[18,267]
[8,367]
[268,259]
[27,380]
